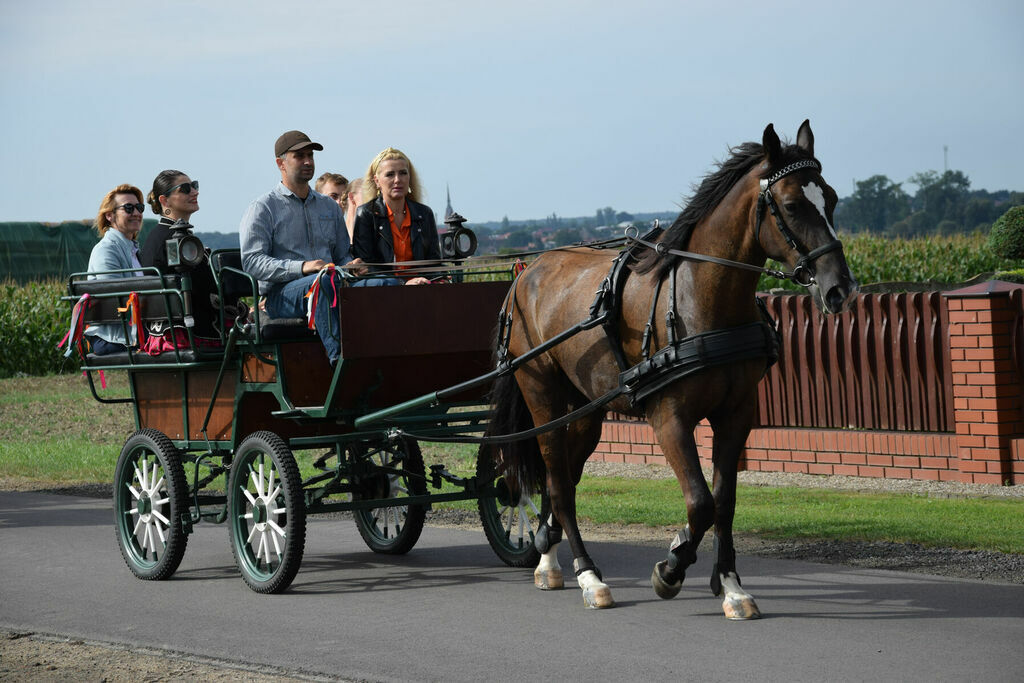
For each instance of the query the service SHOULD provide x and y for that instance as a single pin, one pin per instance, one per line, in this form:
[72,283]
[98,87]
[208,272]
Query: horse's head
[794,220]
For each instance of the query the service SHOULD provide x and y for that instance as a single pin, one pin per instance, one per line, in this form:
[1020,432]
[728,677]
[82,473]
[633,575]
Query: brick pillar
[986,382]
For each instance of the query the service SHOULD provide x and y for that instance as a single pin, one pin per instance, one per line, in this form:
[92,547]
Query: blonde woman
[392,226]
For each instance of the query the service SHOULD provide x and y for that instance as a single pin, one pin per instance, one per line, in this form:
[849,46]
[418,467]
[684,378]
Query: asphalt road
[450,610]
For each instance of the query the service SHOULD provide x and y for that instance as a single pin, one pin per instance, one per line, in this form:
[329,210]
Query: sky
[522,109]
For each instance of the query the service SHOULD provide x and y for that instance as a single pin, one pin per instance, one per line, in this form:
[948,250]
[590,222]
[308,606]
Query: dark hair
[163,182]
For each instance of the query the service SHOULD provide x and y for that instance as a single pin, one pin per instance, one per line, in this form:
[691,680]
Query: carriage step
[299,411]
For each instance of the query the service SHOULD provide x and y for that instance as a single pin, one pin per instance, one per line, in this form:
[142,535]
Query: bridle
[803,273]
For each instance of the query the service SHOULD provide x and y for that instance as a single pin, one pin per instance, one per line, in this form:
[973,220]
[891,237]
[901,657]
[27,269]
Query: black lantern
[185,251]
[458,242]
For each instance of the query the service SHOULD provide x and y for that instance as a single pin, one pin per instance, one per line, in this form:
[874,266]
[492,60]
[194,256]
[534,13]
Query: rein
[680,357]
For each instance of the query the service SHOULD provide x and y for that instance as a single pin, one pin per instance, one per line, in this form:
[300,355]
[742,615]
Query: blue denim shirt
[280,231]
[114,251]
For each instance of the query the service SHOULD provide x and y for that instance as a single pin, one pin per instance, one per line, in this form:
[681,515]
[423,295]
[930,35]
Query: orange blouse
[401,236]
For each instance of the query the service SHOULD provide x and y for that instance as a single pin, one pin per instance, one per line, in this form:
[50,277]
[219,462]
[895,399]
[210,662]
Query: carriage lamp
[458,241]
[185,251]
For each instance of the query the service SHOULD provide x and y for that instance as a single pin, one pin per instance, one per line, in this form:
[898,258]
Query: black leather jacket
[371,235]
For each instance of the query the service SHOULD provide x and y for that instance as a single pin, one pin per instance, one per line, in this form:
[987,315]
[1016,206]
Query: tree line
[943,204]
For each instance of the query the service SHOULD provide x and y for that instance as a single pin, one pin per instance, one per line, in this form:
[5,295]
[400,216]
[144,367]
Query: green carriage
[218,425]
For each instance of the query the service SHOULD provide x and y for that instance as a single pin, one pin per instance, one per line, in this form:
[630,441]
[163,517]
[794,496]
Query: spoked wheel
[150,496]
[266,513]
[397,473]
[512,517]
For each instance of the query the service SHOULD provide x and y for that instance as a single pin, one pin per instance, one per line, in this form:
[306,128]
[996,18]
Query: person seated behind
[334,186]
[352,202]
[118,223]
[175,197]
[289,234]
[391,227]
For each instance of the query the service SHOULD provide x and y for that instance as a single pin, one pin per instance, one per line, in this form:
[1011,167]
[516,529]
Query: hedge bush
[1007,236]
[33,320]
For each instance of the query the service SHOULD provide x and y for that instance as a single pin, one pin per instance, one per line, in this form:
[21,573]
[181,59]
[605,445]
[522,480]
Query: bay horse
[722,220]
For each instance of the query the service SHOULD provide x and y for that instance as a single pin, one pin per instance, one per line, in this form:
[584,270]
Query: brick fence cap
[985,289]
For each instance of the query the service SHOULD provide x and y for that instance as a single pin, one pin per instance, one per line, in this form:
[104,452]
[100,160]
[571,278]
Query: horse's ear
[805,138]
[772,146]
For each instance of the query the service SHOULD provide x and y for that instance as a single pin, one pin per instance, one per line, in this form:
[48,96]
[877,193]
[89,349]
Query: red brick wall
[987,446]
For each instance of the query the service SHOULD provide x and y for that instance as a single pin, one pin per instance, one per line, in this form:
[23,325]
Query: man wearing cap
[290,233]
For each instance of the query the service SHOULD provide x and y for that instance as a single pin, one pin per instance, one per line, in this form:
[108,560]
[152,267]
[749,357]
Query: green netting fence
[32,252]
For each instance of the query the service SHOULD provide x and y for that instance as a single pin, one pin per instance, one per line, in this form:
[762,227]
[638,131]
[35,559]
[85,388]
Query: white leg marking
[549,560]
[817,197]
[548,575]
[738,603]
[596,594]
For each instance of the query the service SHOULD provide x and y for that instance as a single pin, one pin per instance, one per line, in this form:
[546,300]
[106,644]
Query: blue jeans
[101,347]
[289,301]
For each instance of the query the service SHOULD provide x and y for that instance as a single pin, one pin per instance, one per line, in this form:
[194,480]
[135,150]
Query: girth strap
[698,352]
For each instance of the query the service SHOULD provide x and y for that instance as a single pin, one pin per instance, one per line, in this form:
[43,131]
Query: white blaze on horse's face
[817,197]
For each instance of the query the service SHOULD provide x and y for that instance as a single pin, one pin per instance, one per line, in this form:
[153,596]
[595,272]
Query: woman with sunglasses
[118,223]
[176,197]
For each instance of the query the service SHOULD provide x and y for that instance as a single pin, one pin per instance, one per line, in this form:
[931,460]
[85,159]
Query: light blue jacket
[114,251]
[280,231]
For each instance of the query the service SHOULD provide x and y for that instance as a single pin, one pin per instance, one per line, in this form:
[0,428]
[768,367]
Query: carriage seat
[160,301]
[112,293]
[235,286]
[284,329]
[139,358]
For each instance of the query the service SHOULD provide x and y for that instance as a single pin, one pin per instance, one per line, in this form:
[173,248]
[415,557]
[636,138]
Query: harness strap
[685,357]
[645,343]
[662,249]
[698,352]
[609,304]
[670,314]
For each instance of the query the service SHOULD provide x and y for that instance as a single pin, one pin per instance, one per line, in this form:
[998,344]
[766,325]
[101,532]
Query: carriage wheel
[150,497]
[511,518]
[267,514]
[393,530]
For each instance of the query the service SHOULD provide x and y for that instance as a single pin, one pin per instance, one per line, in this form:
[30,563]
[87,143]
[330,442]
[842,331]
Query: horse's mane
[709,194]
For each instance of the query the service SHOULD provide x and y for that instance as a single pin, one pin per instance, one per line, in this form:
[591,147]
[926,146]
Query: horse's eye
[790,207]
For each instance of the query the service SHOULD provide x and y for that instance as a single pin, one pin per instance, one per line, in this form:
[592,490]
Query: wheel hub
[144,506]
[259,515]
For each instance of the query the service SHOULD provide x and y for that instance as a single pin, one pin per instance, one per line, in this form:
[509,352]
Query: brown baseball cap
[293,141]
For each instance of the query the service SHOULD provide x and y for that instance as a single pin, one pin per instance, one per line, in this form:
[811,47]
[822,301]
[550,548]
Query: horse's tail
[520,461]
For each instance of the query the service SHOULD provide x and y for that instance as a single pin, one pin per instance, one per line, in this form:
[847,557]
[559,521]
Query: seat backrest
[233,285]
[159,297]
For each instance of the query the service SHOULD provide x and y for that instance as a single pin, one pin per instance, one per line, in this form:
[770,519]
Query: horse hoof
[548,579]
[665,591]
[598,597]
[740,609]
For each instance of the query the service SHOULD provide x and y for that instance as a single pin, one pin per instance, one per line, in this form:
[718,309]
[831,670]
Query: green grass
[801,513]
[52,431]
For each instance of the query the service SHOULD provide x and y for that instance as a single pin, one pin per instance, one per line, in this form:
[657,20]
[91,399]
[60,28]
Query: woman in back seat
[118,223]
[175,197]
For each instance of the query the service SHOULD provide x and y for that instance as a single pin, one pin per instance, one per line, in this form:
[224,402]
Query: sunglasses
[132,208]
[184,188]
